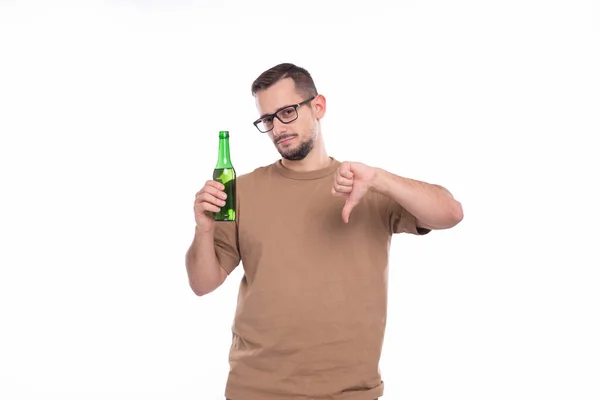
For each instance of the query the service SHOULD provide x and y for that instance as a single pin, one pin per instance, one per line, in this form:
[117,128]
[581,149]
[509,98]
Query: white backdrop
[109,120]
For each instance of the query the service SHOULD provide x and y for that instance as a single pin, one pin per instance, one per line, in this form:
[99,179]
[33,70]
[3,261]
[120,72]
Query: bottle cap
[223,134]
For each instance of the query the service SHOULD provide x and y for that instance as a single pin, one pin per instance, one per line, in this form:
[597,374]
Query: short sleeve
[402,221]
[226,245]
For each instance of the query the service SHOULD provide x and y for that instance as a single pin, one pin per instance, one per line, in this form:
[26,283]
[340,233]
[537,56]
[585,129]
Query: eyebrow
[276,111]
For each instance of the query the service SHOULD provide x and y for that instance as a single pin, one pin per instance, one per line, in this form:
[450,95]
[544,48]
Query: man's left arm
[433,206]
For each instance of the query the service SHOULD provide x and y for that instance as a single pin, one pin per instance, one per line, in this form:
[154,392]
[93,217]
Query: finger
[210,184]
[203,206]
[342,181]
[350,204]
[215,184]
[208,207]
[213,191]
[342,189]
[336,193]
[207,198]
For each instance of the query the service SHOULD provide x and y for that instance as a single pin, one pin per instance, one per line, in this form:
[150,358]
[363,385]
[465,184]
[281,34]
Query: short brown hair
[302,79]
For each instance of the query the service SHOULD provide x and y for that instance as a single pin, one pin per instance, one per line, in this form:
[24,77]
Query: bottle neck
[224,161]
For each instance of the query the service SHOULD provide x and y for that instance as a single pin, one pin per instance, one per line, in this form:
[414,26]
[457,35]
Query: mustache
[280,138]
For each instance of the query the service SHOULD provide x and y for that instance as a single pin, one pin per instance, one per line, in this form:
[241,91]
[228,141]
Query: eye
[288,112]
[267,120]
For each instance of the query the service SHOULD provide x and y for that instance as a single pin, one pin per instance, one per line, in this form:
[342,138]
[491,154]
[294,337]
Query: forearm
[203,268]
[432,205]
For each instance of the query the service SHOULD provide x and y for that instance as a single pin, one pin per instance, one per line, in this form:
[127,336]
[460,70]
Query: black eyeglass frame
[274,115]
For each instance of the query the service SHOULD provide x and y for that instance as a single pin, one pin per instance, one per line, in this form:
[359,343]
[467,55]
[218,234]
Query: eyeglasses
[286,115]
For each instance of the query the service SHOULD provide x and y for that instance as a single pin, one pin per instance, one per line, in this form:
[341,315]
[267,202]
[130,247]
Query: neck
[315,160]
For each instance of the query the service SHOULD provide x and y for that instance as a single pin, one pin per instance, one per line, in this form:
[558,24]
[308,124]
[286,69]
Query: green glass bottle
[225,173]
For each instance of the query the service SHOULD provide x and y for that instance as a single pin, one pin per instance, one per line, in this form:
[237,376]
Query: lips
[285,139]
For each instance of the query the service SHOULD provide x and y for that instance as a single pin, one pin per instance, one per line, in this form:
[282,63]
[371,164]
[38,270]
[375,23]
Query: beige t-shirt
[312,303]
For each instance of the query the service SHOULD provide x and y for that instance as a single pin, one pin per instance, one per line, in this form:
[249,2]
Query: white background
[109,120]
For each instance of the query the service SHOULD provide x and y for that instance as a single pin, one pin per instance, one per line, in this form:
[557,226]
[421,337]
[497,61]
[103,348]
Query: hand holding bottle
[209,200]
[224,173]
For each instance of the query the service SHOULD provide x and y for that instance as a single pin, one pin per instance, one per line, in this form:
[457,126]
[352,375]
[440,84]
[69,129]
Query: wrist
[378,181]
[203,231]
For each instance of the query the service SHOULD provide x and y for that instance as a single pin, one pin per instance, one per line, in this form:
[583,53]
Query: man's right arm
[205,273]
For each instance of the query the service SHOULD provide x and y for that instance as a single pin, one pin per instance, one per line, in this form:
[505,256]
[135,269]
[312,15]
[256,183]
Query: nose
[279,128]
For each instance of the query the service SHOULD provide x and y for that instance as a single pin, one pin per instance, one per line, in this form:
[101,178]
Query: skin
[433,205]
[304,131]
[302,148]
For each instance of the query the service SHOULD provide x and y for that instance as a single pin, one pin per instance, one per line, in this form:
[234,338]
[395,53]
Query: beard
[300,151]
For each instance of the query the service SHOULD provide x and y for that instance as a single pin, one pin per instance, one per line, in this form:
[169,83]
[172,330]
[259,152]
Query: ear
[320,106]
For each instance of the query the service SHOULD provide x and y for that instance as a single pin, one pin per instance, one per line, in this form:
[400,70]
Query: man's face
[295,139]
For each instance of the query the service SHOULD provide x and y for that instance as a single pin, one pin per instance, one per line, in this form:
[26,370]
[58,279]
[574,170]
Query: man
[313,235]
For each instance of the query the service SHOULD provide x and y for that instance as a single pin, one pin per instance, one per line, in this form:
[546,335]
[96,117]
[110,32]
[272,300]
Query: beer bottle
[225,174]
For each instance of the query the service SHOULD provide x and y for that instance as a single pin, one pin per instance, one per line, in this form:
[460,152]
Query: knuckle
[204,198]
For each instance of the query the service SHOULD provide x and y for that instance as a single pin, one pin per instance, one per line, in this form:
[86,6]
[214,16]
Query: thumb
[351,202]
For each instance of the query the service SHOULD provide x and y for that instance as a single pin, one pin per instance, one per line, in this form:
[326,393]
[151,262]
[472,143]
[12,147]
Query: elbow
[454,210]
[450,218]
[199,288]
[203,285]
[200,291]
[456,214]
